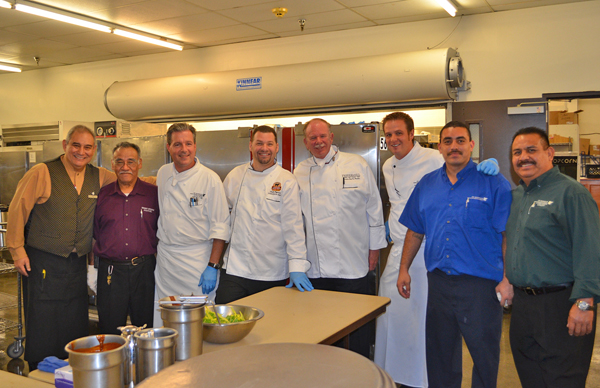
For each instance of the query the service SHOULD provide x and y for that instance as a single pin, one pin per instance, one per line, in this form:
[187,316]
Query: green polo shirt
[553,236]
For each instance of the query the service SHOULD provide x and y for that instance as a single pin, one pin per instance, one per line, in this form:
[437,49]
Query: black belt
[133,262]
[544,290]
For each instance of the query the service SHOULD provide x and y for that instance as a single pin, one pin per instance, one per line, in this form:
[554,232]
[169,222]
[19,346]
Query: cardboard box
[553,117]
[567,118]
[595,149]
[554,139]
[584,146]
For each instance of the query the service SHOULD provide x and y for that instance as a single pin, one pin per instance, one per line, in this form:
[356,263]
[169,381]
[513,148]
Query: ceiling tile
[202,38]
[85,7]
[7,37]
[227,4]
[361,3]
[399,9]
[128,46]
[147,11]
[47,28]
[38,47]
[203,21]
[329,28]
[89,38]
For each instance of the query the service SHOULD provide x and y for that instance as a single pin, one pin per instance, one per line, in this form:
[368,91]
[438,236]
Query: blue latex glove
[388,236]
[301,281]
[50,364]
[208,280]
[489,167]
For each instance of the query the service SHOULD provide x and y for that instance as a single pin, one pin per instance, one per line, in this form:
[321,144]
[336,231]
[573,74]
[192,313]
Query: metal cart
[14,350]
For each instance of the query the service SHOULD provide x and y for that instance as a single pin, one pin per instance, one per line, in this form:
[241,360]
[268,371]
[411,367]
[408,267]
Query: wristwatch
[215,266]
[584,306]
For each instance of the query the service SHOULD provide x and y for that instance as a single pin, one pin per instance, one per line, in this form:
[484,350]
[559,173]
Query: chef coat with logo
[193,212]
[267,234]
[342,212]
[400,338]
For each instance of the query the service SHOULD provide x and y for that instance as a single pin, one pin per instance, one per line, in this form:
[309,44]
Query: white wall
[512,54]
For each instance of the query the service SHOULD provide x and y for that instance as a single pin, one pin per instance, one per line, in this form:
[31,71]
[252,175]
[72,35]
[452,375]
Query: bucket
[187,320]
[98,370]
[155,350]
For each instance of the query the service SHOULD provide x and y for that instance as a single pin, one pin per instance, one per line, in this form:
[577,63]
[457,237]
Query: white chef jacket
[400,337]
[342,212]
[186,232]
[267,233]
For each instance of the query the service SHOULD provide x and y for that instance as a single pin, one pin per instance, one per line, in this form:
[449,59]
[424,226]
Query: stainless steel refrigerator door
[13,166]
[153,150]
[222,151]
[53,149]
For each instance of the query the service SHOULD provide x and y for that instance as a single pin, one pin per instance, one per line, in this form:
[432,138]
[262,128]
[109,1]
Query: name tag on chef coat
[274,194]
[351,180]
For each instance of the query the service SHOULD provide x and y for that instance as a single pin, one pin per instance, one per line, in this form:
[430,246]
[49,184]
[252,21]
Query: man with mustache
[194,220]
[125,225]
[343,216]
[264,202]
[463,213]
[553,262]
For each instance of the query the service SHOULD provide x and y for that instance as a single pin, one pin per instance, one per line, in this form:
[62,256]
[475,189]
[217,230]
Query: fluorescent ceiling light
[448,6]
[147,39]
[10,68]
[61,18]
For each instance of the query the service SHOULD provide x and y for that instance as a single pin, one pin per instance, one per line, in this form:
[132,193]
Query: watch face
[583,305]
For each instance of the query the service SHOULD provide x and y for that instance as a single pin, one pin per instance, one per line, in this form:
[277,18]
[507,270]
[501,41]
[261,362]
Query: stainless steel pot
[155,350]
[187,320]
[98,370]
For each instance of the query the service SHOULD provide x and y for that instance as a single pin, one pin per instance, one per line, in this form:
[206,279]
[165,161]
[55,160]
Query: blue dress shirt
[462,222]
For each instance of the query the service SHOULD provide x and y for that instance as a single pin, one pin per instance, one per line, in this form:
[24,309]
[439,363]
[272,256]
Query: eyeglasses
[129,162]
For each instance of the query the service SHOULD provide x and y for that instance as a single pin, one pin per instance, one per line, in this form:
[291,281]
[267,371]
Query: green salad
[211,317]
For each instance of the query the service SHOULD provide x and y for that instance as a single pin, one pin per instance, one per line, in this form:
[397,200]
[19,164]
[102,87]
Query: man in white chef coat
[400,337]
[194,220]
[267,241]
[343,217]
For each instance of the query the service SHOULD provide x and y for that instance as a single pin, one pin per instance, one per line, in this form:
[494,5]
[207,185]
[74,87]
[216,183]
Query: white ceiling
[201,23]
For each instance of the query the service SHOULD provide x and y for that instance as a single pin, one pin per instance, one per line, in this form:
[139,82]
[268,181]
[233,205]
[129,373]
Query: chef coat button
[450,204]
[447,256]
[126,244]
[448,221]
[126,229]
[452,189]
[126,200]
[447,239]
[126,214]
[127,258]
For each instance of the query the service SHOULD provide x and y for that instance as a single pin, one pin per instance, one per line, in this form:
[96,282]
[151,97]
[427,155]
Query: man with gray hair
[49,236]
[126,244]
[194,220]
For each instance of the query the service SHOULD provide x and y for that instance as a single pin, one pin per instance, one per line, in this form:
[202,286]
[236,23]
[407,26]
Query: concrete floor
[507,377]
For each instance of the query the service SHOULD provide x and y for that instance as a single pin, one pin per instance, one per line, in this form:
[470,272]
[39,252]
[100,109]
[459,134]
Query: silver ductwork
[422,76]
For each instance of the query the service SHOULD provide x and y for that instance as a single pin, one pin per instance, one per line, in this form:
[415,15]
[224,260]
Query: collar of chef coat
[410,157]
[333,151]
[181,176]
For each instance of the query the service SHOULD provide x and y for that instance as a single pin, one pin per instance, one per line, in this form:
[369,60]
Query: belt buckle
[531,291]
[133,260]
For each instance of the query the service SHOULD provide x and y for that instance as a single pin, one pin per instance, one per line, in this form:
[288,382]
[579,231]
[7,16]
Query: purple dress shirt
[125,226]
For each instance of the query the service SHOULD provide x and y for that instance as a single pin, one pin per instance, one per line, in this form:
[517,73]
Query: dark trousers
[545,355]
[361,339]
[56,304]
[460,307]
[130,292]
[234,287]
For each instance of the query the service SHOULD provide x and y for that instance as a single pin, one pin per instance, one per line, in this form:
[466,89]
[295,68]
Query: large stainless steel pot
[187,320]
[98,370]
[155,350]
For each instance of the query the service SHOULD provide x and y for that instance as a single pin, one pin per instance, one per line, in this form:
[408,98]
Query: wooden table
[315,317]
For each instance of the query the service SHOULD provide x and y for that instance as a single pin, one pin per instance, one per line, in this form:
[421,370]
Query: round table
[289,365]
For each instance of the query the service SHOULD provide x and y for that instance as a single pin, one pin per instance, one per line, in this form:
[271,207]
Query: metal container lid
[183,302]
[287,365]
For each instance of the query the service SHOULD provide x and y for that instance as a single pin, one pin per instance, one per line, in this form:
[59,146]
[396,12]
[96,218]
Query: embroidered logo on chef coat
[147,209]
[276,186]
[350,181]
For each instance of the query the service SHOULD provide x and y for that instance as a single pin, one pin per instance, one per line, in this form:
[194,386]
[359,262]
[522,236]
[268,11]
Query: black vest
[65,221]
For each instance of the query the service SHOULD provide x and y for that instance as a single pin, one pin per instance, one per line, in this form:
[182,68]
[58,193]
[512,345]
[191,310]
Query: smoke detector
[279,12]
